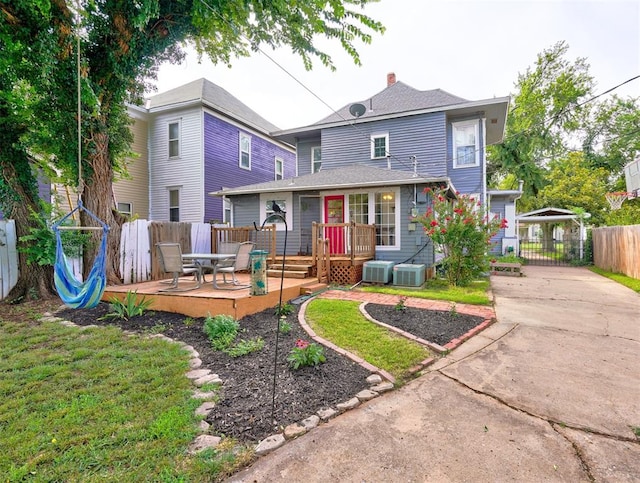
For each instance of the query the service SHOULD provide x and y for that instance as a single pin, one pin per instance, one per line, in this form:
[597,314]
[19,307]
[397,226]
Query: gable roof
[214,97]
[549,214]
[400,100]
[350,177]
[396,98]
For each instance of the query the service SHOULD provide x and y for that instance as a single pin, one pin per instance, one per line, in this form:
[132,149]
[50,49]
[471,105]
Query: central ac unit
[377,271]
[408,275]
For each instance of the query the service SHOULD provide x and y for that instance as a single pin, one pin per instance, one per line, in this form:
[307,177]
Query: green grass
[96,405]
[632,283]
[342,323]
[437,289]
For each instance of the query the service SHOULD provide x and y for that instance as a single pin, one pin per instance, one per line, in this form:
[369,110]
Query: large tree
[545,112]
[123,42]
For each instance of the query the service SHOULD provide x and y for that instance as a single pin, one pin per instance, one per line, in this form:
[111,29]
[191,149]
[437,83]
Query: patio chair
[170,258]
[238,263]
[223,247]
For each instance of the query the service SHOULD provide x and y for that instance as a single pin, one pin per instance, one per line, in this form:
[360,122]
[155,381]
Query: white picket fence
[135,252]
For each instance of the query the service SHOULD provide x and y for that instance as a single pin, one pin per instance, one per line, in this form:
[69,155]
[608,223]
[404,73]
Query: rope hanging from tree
[74,293]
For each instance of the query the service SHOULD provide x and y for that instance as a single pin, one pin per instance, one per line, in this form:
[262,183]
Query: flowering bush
[305,354]
[462,232]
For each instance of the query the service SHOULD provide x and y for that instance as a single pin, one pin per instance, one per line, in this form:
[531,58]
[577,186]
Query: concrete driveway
[551,392]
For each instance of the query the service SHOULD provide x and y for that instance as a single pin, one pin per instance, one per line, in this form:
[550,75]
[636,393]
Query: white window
[377,208]
[385,218]
[316,159]
[284,202]
[174,205]
[174,139]
[359,208]
[125,209]
[379,145]
[466,151]
[245,151]
[279,168]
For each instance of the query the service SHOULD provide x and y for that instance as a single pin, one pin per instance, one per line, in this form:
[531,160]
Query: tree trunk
[34,281]
[98,198]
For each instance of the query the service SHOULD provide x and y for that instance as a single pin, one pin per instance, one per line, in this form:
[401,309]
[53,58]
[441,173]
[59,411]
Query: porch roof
[351,177]
[549,214]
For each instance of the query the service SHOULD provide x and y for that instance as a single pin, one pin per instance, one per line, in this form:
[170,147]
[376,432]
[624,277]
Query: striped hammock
[72,292]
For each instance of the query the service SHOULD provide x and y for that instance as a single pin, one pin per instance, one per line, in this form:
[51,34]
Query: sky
[472,49]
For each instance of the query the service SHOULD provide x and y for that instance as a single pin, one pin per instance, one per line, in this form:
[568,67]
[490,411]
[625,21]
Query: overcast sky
[473,49]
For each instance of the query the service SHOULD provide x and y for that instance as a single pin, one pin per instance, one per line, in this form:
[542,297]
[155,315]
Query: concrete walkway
[551,392]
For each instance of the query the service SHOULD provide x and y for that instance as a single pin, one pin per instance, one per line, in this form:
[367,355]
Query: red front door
[334,213]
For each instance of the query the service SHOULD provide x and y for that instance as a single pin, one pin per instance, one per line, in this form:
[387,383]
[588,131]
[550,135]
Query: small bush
[129,307]
[305,354]
[285,327]
[221,330]
[284,310]
[400,306]
[245,347]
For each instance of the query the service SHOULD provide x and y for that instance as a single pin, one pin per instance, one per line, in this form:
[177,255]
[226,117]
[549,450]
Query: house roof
[356,176]
[213,96]
[397,98]
[401,100]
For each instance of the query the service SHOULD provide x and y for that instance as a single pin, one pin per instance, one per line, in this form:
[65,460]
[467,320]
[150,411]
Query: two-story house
[370,162]
[203,139]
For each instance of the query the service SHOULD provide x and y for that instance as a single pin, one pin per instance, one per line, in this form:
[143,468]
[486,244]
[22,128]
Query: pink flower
[427,190]
[302,344]
[443,231]
[434,223]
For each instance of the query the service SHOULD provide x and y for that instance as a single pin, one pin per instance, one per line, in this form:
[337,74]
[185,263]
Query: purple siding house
[203,139]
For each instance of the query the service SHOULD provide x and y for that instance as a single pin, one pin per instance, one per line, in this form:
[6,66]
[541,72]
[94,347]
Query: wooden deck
[205,300]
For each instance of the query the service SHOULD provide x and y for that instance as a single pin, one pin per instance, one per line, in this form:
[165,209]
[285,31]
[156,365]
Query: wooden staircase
[294,267]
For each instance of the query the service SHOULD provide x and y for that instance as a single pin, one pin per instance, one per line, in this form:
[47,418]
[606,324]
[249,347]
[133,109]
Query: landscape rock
[354,402]
[269,444]
[195,362]
[294,430]
[197,373]
[384,387]
[208,379]
[203,395]
[366,395]
[205,408]
[327,414]
[310,422]
[203,442]
[374,379]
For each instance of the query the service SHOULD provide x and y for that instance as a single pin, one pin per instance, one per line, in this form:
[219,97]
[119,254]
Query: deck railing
[264,239]
[352,240]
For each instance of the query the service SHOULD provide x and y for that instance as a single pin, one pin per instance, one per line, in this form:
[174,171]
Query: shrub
[127,308]
[221,330]
[285,327]
[284,310]
[305,354]
[462,232]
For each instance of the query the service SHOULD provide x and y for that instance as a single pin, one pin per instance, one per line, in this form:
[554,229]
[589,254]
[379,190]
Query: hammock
[72,292]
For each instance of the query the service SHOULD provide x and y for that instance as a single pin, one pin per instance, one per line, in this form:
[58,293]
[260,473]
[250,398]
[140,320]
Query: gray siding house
[370,162]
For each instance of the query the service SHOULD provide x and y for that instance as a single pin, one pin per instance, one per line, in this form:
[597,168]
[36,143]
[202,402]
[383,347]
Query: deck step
[291,267]
[312,288]
[286,273]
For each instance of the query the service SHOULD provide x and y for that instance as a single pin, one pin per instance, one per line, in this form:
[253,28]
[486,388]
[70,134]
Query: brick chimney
[391,79]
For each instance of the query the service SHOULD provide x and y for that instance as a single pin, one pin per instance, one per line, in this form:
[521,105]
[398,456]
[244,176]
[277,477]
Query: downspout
[484,166]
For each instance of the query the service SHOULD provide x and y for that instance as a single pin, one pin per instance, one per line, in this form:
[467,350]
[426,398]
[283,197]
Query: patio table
[212,257]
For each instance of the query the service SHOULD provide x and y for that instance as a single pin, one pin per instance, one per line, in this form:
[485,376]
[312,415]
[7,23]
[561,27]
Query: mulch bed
[247,405]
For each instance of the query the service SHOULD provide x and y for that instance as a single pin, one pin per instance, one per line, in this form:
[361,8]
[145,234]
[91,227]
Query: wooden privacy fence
[139,260]
[617,249]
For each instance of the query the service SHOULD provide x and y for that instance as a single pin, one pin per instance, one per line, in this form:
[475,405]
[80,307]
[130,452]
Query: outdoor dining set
[229,259]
